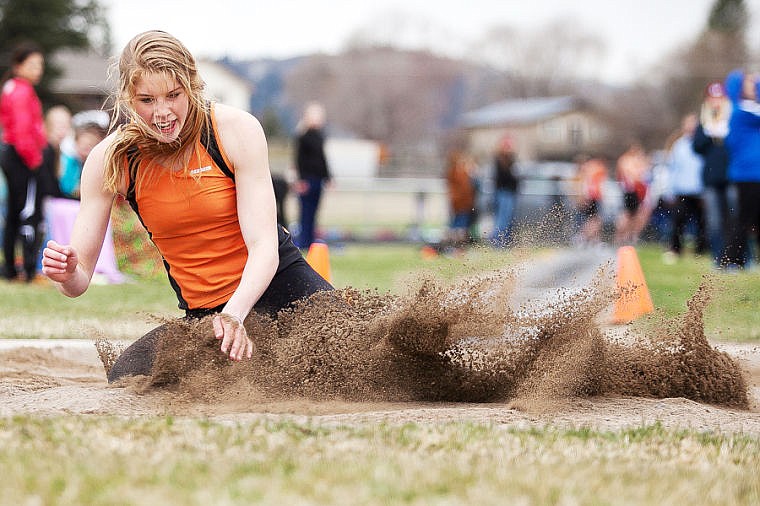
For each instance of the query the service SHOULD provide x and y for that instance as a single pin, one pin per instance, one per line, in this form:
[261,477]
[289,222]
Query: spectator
[685,167]
[659,196]
[24,141]
[632,171]
[505,191]
[460,178]
[58,128]
[709,142]
[743,141]
[313,171]
[592,173]
[90,127]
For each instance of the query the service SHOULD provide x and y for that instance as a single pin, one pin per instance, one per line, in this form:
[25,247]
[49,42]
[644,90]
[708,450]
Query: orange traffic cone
[428,252]
[318,257]
[633,295]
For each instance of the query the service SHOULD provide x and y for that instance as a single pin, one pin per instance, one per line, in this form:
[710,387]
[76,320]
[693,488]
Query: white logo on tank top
[200,170]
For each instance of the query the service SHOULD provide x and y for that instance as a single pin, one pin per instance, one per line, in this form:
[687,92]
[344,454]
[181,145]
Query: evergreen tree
[728,16]
[723,43]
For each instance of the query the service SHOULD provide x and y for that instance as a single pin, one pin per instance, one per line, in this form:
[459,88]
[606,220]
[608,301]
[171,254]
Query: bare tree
[651,109]
[548,61]
[719,48]
[407,97]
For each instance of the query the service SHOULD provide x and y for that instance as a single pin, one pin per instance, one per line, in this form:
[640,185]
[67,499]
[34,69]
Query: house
[224,85]
[83,83]
[352,158]
[545,128]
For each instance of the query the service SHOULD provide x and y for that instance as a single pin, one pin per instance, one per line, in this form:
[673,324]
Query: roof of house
[82,73]
[228,71]
[519,111]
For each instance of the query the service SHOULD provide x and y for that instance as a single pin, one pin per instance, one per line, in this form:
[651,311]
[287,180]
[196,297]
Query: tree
[723,44]
[549,61]
[728,16]
[53,25]
[721,47]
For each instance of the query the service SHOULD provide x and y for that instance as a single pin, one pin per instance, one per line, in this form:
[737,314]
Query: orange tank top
[192,219]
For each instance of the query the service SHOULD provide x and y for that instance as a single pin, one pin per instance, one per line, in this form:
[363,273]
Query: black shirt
[311,161]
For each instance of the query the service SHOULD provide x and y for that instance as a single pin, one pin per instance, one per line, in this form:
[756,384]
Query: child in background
[90,127]
[58,128]
[89,130]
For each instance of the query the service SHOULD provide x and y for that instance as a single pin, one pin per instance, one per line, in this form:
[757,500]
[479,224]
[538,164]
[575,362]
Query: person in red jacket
[23,141]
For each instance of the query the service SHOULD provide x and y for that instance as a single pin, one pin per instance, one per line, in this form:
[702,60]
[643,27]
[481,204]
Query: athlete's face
[162,103]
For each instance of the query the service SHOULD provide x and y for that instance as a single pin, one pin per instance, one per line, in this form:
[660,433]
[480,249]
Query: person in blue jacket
[743,141]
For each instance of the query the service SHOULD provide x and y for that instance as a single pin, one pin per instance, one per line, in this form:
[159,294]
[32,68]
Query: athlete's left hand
[230,330]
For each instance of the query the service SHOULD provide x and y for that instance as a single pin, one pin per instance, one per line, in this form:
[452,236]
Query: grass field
[40,311]
[104,460]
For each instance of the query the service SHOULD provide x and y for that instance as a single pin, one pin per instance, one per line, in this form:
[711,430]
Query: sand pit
[52,380]
[473,351]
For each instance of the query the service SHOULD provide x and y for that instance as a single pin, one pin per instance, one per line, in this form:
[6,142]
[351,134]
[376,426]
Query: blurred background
[403,83]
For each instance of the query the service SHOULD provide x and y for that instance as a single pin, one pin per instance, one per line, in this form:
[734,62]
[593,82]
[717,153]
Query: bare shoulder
[232,122]
[242,137]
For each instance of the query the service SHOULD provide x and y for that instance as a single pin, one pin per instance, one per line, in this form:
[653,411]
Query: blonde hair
[152,52]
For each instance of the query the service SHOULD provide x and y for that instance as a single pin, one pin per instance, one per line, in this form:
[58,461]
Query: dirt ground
[48,380]
[442,353]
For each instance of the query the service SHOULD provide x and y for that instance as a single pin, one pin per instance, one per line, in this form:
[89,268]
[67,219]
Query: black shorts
[293,283]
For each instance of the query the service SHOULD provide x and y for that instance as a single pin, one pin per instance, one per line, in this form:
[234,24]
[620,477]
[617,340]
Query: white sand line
[10,344]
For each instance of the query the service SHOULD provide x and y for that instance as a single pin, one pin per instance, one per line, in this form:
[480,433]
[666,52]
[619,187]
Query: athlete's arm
[245,145]
[71,266]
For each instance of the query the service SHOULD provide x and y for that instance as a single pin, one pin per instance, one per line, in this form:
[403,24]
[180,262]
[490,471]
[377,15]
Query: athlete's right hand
[59,262]
[229,329]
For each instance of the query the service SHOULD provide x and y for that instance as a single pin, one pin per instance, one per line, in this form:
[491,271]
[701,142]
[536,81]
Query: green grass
[123,311]
[101,460]
[392,267]
[40,311]
[732,313]
[672,285]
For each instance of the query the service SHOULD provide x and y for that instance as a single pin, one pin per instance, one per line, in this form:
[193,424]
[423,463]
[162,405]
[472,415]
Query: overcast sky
[636,32]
